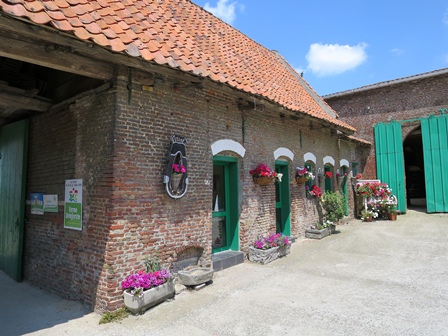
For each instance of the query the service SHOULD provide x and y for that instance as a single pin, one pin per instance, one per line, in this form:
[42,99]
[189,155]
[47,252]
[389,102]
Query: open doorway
[414,169]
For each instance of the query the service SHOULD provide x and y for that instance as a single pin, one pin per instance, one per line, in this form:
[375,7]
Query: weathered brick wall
[147,221]
[401,101]
[117,141]
[72,141]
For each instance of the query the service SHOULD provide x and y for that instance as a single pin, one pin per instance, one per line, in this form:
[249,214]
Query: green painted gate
[435,155]
[13,157]
[390,159]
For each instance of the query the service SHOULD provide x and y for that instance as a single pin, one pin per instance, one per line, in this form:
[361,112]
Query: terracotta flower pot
[368,219]
[393,216]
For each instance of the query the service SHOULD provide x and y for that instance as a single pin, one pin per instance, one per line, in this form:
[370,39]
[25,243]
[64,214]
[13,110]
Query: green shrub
[334,205]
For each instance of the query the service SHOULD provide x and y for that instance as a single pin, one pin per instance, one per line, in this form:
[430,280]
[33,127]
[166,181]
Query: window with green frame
[309,165]
[328,181]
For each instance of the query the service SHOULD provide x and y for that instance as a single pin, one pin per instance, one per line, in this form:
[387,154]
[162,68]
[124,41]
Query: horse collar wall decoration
[175,174]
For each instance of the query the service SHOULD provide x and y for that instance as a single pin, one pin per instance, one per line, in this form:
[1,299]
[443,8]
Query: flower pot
[263,256]
[368,219]
[150,297]
[195,276]
[263,180]
[317,234]
[332,228]
[393,216]
[301,180]
[284,250]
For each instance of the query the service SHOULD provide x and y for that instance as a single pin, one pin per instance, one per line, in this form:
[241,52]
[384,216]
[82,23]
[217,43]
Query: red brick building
[93,92]
[401,109]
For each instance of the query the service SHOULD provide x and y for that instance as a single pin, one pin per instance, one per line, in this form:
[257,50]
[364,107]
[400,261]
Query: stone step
[226,259]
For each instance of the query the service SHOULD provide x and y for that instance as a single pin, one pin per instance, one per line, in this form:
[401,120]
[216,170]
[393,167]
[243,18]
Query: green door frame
[344,187]
[13,164]
[283,199]
[230,165]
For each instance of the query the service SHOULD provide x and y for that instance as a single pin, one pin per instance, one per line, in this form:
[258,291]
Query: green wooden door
[282,199]
[225,204]
[435,156]
[390,159]
[13,150]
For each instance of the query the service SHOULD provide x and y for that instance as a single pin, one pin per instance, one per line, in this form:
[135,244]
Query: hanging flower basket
[301,180]
[263,180]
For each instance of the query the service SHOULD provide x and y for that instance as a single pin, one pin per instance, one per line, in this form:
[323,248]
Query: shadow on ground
[27,309]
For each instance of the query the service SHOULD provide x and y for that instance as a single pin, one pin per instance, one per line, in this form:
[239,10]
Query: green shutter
[435,154]
[390,160]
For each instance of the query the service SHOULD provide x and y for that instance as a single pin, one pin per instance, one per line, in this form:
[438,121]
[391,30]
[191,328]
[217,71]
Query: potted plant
[263,175]
[334,205]
[268,248]
[367,215]
[143,290]
[319,230]
[314,191]
[303,175]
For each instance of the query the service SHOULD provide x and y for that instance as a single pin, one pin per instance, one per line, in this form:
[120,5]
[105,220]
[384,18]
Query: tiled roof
[179,34]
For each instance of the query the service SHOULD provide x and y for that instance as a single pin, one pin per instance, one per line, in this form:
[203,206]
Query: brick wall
[116,141]
[400,101]
[71,141]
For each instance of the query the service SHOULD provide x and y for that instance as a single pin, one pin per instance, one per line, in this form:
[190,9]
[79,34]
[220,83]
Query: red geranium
[328,174]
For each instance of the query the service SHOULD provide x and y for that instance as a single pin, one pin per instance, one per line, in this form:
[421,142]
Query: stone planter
[318,234]
[195,276]
[263,256]
[332,228]
[150,297]
[283,251]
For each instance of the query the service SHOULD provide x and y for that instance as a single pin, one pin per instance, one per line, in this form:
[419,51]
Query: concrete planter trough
[266,256]
[150,297]
[195,276]
[317,234]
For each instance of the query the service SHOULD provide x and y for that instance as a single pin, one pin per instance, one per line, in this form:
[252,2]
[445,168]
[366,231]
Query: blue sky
[345,44]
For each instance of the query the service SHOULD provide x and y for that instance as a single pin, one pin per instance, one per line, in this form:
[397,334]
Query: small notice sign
[51,203]
[73,204]
[37,203]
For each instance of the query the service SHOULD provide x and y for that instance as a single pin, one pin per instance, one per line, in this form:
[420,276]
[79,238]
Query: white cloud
[445,18]
[397,51]
[333,59]
[224,11]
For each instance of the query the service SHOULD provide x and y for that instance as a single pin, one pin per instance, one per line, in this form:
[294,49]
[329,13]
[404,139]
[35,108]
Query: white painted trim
[228,145]
[344,163]
[309,157]
[328,159]
[282,151]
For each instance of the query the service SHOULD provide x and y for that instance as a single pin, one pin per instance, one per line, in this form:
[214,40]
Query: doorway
[414,169]
[225,204]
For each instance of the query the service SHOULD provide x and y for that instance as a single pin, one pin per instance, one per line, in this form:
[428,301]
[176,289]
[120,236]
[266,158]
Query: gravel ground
[380,278]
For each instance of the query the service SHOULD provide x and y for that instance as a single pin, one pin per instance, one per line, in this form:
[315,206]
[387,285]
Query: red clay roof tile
[180,34]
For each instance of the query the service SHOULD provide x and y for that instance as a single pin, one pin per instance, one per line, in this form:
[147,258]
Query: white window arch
[309,157]
[282,151]
[328,159]
[228,145]
[344,163]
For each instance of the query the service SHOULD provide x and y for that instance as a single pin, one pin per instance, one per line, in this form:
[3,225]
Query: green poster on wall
[73,204]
